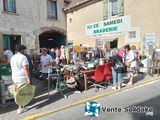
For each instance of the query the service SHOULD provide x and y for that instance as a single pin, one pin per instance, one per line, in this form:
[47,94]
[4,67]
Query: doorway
[114,43]
[51,39]
[10,41]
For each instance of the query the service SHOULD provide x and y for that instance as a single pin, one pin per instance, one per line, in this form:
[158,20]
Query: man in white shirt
[7,54]
[20,70]
[46,62]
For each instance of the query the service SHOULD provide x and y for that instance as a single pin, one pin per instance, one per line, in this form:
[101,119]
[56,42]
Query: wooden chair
[155,66]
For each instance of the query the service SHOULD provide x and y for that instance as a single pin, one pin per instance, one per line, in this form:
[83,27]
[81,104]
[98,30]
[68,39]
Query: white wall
[144,19]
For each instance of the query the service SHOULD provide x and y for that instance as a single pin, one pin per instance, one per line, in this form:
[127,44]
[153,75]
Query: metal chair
[70,80]
[54,76]
[58,78]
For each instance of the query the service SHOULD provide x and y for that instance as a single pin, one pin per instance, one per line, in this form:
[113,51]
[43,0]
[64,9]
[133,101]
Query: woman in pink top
[122,52]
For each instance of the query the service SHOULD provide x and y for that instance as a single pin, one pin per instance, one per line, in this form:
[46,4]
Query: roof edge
[79,5]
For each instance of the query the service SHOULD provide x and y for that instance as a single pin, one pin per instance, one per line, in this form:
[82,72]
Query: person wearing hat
[45,62]
[20,70]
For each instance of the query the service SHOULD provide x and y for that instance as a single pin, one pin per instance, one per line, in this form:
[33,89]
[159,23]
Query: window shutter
[14,6]
[53,10]
[48,9]
[11,5]
[4,5]
[120,7]
[6,41]
[105,9]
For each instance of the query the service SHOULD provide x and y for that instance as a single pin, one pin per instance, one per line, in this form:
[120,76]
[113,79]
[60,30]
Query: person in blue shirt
[53,53]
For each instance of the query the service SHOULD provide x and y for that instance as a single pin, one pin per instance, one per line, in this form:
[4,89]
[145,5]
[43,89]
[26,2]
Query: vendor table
[85,73]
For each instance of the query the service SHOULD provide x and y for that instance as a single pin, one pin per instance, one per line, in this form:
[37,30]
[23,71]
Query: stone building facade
[34,23]
[141,26]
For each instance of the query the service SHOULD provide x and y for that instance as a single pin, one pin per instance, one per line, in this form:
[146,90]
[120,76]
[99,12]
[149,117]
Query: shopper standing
[116,74]
[46,62]
[7,54]
[20,70]
[130,58]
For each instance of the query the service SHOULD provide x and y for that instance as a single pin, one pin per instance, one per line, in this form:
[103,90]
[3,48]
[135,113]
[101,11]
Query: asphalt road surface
[139,103]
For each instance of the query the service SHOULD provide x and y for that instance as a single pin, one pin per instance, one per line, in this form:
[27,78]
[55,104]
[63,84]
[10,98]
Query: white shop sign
[117,25]
[149,39]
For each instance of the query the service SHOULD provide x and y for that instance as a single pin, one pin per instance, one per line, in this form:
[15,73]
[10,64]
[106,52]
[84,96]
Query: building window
[113,7]
[10,41]
[132,34]
[9,6]
[52,9]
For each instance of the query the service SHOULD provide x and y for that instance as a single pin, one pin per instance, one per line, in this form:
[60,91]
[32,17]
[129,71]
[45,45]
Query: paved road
[145,95]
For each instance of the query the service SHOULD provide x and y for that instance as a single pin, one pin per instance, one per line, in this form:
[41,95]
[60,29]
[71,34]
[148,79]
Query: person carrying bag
[20,71]
[117,69]
[119,66]
[132,63]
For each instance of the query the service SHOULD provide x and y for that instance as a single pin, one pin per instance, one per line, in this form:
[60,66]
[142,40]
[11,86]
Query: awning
[109,39]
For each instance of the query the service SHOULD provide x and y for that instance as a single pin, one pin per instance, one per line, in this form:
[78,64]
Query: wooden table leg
[85,82]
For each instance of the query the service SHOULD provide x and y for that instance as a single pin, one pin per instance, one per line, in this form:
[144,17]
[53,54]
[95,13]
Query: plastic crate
[5,71]
[6,65]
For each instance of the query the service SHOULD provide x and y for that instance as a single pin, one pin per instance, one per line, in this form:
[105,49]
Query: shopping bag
[24,94]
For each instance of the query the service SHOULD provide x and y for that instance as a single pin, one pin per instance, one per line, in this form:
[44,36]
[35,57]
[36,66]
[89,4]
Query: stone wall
[30,16]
